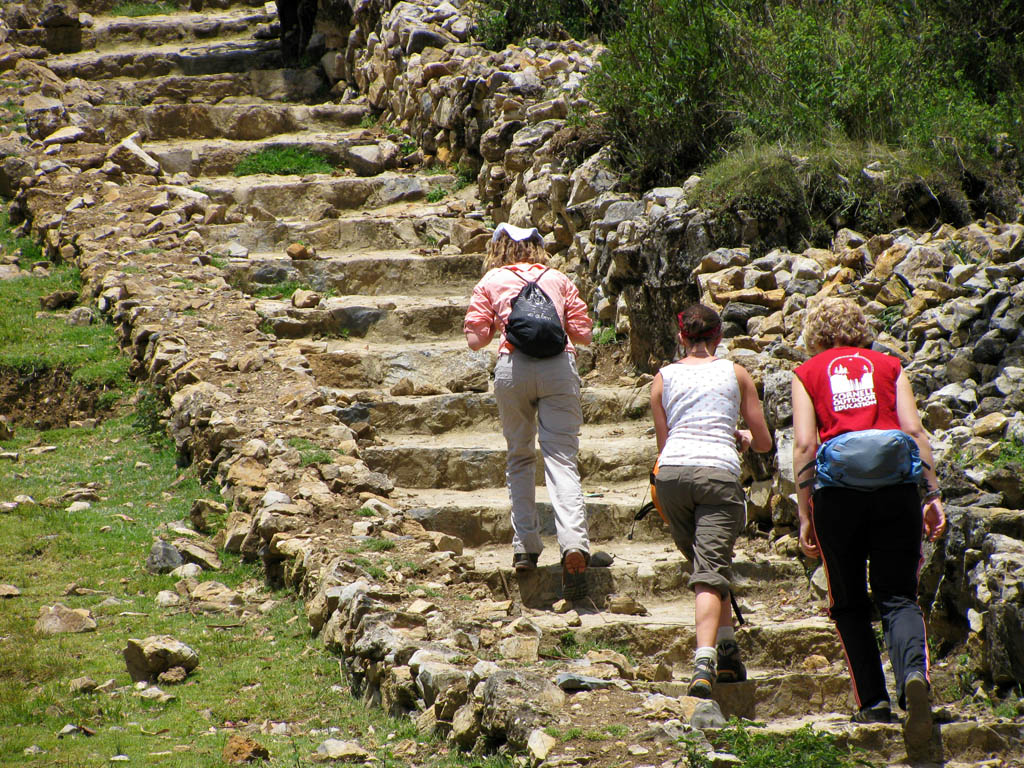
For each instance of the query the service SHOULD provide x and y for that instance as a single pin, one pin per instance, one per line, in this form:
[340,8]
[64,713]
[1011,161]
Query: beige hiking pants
[540,398]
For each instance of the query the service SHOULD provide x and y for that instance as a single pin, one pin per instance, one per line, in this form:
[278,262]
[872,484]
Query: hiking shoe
[730,668]
[876,713]
[703,679]
[524,561]
[917,728]
[574,574]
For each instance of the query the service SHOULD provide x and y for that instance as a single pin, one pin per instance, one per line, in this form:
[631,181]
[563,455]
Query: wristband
[933,494]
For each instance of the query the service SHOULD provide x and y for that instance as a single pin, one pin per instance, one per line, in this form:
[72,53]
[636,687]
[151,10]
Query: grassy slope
[262,671]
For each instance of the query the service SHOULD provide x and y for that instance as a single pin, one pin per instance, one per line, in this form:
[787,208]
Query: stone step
[469,461]
[141,62]
[216,157]
[434,414]
[438,366]
[382,318]
[667,634]
[267,84]
[318,195]
[108,31]
[421,228]
[363,274]
[481,517]
[648,571]
[247,121]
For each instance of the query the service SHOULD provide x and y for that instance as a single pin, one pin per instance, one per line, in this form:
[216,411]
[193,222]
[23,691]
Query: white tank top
[702,403]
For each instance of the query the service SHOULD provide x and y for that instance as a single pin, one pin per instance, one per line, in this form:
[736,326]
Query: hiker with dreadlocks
[538,313]
[696,403]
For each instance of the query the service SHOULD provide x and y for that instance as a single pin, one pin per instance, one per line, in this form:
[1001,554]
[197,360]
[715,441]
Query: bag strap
[517,274]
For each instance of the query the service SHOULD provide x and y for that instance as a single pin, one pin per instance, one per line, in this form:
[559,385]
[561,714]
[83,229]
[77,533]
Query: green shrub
[684,80]
[659,84]
[283,161]
[500,22]
[436,194]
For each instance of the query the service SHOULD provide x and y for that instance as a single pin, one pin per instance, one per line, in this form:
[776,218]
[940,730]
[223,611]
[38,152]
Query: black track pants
[883,528]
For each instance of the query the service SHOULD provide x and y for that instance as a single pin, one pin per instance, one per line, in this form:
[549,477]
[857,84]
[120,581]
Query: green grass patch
[283,161]
[605,335]
[569,646]
[372,545]
[26,248]
[264,668]
[818,188]
[282,290]
[136,9]
[11,113]
[803,748]
[1011,454]
[436,194]
[90,352]
[309,452]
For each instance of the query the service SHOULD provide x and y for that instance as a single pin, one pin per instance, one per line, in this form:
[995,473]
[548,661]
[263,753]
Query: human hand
[743,438]
[808,539]
[934,519]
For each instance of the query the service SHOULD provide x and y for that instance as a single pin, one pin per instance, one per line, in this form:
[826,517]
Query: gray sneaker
[917,728]
[730,668]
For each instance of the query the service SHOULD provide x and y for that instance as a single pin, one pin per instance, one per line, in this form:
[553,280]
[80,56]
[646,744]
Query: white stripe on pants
[541,398]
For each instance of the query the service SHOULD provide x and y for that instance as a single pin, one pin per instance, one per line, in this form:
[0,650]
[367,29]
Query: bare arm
[658,412]
[753,413]
[910,422]
[805,445]
[480,319]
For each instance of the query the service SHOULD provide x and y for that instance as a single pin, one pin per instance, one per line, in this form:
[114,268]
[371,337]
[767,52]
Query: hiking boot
[524,561]
[730,668]
[703,679]
[574,574]
[876,713]
[917,728]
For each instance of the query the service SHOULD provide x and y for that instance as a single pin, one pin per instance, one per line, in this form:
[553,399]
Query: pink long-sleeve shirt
[491,305]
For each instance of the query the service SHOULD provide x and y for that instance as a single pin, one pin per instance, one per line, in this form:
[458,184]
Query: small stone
[991,425]
[421,607]
[445,543]
[298,252]
[626,605]
[540,744]
[707,714]
[163,558]
[8,591]
[82,685]
[520,648]
[570,681]
[79,506]
[59,619]
[343,751]
[561,606]
[173,675]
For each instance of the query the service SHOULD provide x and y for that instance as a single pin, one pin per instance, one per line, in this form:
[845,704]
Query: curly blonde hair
[836,323]
[505,251]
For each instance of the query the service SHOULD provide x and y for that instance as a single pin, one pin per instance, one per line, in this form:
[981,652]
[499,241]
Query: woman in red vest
[846,387]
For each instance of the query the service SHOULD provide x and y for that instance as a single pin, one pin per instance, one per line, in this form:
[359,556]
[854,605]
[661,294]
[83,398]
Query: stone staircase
[377,364]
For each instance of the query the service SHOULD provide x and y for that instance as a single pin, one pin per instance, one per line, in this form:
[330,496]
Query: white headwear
[519,234]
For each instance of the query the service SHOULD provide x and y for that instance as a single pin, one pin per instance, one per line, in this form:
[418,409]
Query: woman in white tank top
[696,403]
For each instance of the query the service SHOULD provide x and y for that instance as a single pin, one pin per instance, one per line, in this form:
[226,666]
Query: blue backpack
[865,460]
